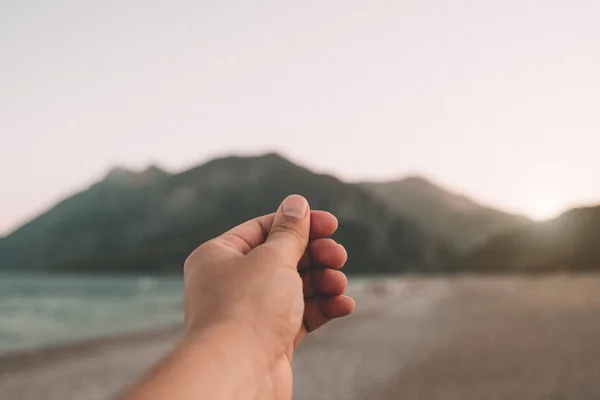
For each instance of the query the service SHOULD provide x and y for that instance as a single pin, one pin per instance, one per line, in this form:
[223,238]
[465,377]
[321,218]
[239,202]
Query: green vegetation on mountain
[455,219]
[148,222]
[569,243]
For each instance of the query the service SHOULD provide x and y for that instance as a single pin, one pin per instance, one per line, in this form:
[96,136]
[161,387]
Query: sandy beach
[460,338]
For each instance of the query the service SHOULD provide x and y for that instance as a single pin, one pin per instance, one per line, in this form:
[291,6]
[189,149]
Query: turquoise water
[37,311]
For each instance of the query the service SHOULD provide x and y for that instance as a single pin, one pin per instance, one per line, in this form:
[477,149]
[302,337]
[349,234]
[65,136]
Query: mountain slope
[459,221]
[570,242]
[149,222]
[104,218]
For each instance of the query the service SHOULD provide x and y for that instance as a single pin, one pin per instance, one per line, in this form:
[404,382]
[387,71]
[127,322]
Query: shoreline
[40,357]
[408,338]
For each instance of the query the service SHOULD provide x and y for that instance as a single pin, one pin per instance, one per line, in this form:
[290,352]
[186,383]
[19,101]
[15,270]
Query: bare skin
[251,296]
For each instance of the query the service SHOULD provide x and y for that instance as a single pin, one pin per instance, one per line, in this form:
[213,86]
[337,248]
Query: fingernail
[294,206]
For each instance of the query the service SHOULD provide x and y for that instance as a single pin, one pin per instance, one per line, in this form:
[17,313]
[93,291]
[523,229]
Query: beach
[451,338]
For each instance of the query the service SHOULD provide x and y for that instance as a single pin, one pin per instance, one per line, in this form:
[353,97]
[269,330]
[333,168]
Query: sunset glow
[545,205]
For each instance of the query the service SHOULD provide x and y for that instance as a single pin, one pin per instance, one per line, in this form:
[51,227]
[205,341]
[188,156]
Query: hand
[267,281]
[251,295]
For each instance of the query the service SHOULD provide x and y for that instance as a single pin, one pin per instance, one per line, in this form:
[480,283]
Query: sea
[40,311]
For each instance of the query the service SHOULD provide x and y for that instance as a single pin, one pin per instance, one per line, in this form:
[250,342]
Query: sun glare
[545,206]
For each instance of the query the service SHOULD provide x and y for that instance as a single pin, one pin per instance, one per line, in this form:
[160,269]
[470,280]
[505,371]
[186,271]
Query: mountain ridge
[132,222]
[455,218]
[147,221]
[567,243]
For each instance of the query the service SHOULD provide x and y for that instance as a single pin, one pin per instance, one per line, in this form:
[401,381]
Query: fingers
[323,282]
[323,299]
[322,309]
[246,236]
[254,232]
[288,236]
[322,224]
[323,252]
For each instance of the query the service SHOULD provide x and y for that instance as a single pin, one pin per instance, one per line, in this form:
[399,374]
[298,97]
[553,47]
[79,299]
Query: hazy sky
[497,99]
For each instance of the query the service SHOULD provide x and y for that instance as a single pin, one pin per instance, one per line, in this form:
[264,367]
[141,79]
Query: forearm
[219,363]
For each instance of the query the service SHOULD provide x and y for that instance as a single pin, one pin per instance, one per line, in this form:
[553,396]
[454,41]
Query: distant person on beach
[251,296]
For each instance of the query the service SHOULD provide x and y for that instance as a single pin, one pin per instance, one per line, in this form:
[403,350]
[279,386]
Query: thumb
[289,232]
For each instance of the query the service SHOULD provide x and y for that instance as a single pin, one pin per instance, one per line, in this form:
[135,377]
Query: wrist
[230,341]
[256,339]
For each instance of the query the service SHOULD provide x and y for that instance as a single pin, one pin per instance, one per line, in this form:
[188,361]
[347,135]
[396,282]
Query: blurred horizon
[15,223]
[493,101]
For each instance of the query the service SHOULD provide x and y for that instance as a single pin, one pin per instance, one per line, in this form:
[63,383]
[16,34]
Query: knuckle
[270,254]
[288,228]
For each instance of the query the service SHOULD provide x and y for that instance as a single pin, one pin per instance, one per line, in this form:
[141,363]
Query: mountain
[455,219]
[149,221]
[569,243]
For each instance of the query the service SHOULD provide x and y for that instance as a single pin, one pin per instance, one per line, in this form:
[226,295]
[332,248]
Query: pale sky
[496,99]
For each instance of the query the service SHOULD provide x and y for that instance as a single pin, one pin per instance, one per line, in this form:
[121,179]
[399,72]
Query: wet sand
[460,338]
